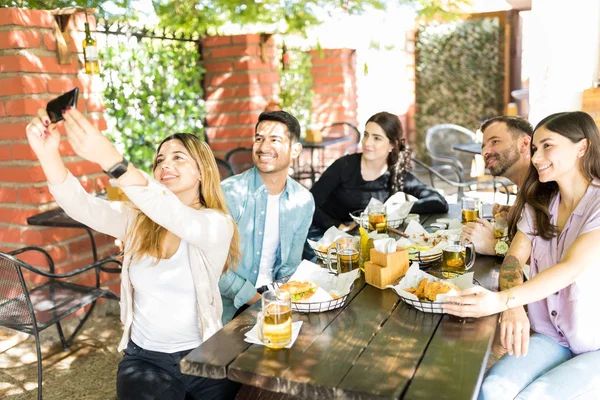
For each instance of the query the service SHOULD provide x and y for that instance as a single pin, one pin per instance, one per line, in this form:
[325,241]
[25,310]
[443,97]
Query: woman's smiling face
[176,168]
[375,143]
[554,156]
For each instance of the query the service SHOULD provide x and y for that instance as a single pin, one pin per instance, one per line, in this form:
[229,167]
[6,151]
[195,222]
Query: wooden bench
[33,310]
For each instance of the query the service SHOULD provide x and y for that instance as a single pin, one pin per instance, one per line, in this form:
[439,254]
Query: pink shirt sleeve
[526,224]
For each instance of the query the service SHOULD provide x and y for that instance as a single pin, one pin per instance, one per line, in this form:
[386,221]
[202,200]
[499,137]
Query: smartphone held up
[55,107]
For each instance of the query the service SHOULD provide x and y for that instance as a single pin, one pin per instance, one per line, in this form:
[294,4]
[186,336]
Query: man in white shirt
[273,213]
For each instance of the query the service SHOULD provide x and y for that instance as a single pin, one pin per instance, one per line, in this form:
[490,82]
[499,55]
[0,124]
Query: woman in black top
[381,170]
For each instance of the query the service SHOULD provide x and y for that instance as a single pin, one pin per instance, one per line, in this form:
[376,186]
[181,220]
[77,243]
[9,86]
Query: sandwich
[300,291]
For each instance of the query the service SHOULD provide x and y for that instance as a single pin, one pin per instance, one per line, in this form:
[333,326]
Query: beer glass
[454,259]
[377,218]
[471,209]
[348,255]
[275,320]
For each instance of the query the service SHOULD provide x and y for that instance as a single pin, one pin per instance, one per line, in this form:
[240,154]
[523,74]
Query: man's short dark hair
[516,125]
[292,124]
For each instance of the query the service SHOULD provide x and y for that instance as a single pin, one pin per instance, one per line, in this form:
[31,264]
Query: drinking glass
[454,258]
[275,320]
[471,209]
[377,218]
[348,255]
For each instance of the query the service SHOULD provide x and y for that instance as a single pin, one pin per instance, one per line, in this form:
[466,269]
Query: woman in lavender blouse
[558,209]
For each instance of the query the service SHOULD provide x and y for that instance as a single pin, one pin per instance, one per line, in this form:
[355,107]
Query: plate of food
[426,292]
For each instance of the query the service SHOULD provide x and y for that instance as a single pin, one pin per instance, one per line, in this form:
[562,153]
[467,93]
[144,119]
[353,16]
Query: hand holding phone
[55,107]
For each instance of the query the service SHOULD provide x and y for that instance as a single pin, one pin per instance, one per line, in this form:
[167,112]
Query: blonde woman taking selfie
[178,240]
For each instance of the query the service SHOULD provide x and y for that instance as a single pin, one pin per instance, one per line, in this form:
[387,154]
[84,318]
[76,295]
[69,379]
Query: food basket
[364,223]
[322,256]
[317,307]
[425,260]
[415,275]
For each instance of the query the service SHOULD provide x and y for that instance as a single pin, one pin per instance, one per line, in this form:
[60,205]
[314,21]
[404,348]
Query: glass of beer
[454,259]
[348,255]
[377,218]
[471,209]
[275,320]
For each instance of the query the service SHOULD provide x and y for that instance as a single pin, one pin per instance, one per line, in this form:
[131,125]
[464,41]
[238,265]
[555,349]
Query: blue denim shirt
[246,197]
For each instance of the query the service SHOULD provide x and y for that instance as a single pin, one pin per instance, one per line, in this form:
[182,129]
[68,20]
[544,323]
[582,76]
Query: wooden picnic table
[376,346]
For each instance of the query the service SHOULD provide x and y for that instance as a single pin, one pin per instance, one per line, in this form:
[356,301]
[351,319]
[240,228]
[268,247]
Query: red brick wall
[30,76]
[241,77]
[334,85]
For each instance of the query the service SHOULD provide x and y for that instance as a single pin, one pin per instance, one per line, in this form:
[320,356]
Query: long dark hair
[575,126]
[399,159]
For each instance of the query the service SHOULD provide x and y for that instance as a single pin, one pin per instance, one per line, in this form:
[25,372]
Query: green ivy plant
[152,90]
[296,86]
[460,73]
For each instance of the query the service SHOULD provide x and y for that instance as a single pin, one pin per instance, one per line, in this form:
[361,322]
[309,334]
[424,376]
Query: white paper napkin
[337,284]
[397,206]
[252,335]
[331,235]
[386,246]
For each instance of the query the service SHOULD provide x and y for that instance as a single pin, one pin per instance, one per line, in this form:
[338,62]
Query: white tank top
[165,318]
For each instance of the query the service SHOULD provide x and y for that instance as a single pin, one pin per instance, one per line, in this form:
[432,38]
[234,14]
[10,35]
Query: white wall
[564,52]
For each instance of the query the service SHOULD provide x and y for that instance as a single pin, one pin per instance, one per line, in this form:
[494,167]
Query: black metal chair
[461,185]
[240,159]
[33,310]
[350,146]
[225,170]
[439,140]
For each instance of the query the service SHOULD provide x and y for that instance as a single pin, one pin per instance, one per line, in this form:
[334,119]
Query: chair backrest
[15,306]
[440,139]
[240,159]
[335,151]
[225,170]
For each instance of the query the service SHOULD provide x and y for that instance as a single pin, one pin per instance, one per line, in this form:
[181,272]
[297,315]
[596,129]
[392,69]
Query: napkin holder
[385,268]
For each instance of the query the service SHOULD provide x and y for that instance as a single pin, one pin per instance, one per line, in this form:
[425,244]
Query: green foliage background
[296,86]
[152,90]
[460,73]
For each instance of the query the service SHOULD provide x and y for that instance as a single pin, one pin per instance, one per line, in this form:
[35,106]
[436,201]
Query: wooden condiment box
[384,269]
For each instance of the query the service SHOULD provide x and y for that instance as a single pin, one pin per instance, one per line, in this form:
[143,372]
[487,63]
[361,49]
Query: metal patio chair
[33,310]
[240,159]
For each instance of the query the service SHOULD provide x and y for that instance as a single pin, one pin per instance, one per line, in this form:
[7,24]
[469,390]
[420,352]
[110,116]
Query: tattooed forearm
[511,273]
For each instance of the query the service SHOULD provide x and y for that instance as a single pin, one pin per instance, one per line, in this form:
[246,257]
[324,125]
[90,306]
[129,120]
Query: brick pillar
[30,76]
[241,77]
[334,85]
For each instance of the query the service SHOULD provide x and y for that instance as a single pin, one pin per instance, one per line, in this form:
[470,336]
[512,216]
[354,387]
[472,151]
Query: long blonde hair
[146,236]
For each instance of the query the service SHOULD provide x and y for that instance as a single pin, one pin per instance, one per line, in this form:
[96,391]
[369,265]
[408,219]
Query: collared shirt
[570,317]
[247,196]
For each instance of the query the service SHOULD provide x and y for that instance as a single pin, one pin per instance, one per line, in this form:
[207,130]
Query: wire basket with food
[426,292]
[314,289]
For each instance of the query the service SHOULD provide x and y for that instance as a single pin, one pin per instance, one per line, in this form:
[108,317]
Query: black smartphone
[56,106]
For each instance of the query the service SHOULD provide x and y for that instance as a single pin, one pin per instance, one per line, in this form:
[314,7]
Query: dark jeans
[149,375]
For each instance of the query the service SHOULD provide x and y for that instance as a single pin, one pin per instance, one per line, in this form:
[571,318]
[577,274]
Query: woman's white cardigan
[207,232]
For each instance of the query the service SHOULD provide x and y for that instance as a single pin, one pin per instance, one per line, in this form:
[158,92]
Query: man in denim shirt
[273,213]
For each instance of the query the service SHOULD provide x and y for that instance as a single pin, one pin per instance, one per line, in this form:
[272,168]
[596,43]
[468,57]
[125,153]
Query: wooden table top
[375,346]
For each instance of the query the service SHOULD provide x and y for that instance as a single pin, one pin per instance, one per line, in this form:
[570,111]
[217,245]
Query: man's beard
[504,160]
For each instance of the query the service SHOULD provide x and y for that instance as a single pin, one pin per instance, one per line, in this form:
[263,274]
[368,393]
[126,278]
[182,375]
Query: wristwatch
[501,247]
[118,169]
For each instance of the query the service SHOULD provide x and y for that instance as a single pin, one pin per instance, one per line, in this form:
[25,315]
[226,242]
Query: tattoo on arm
[511,273]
